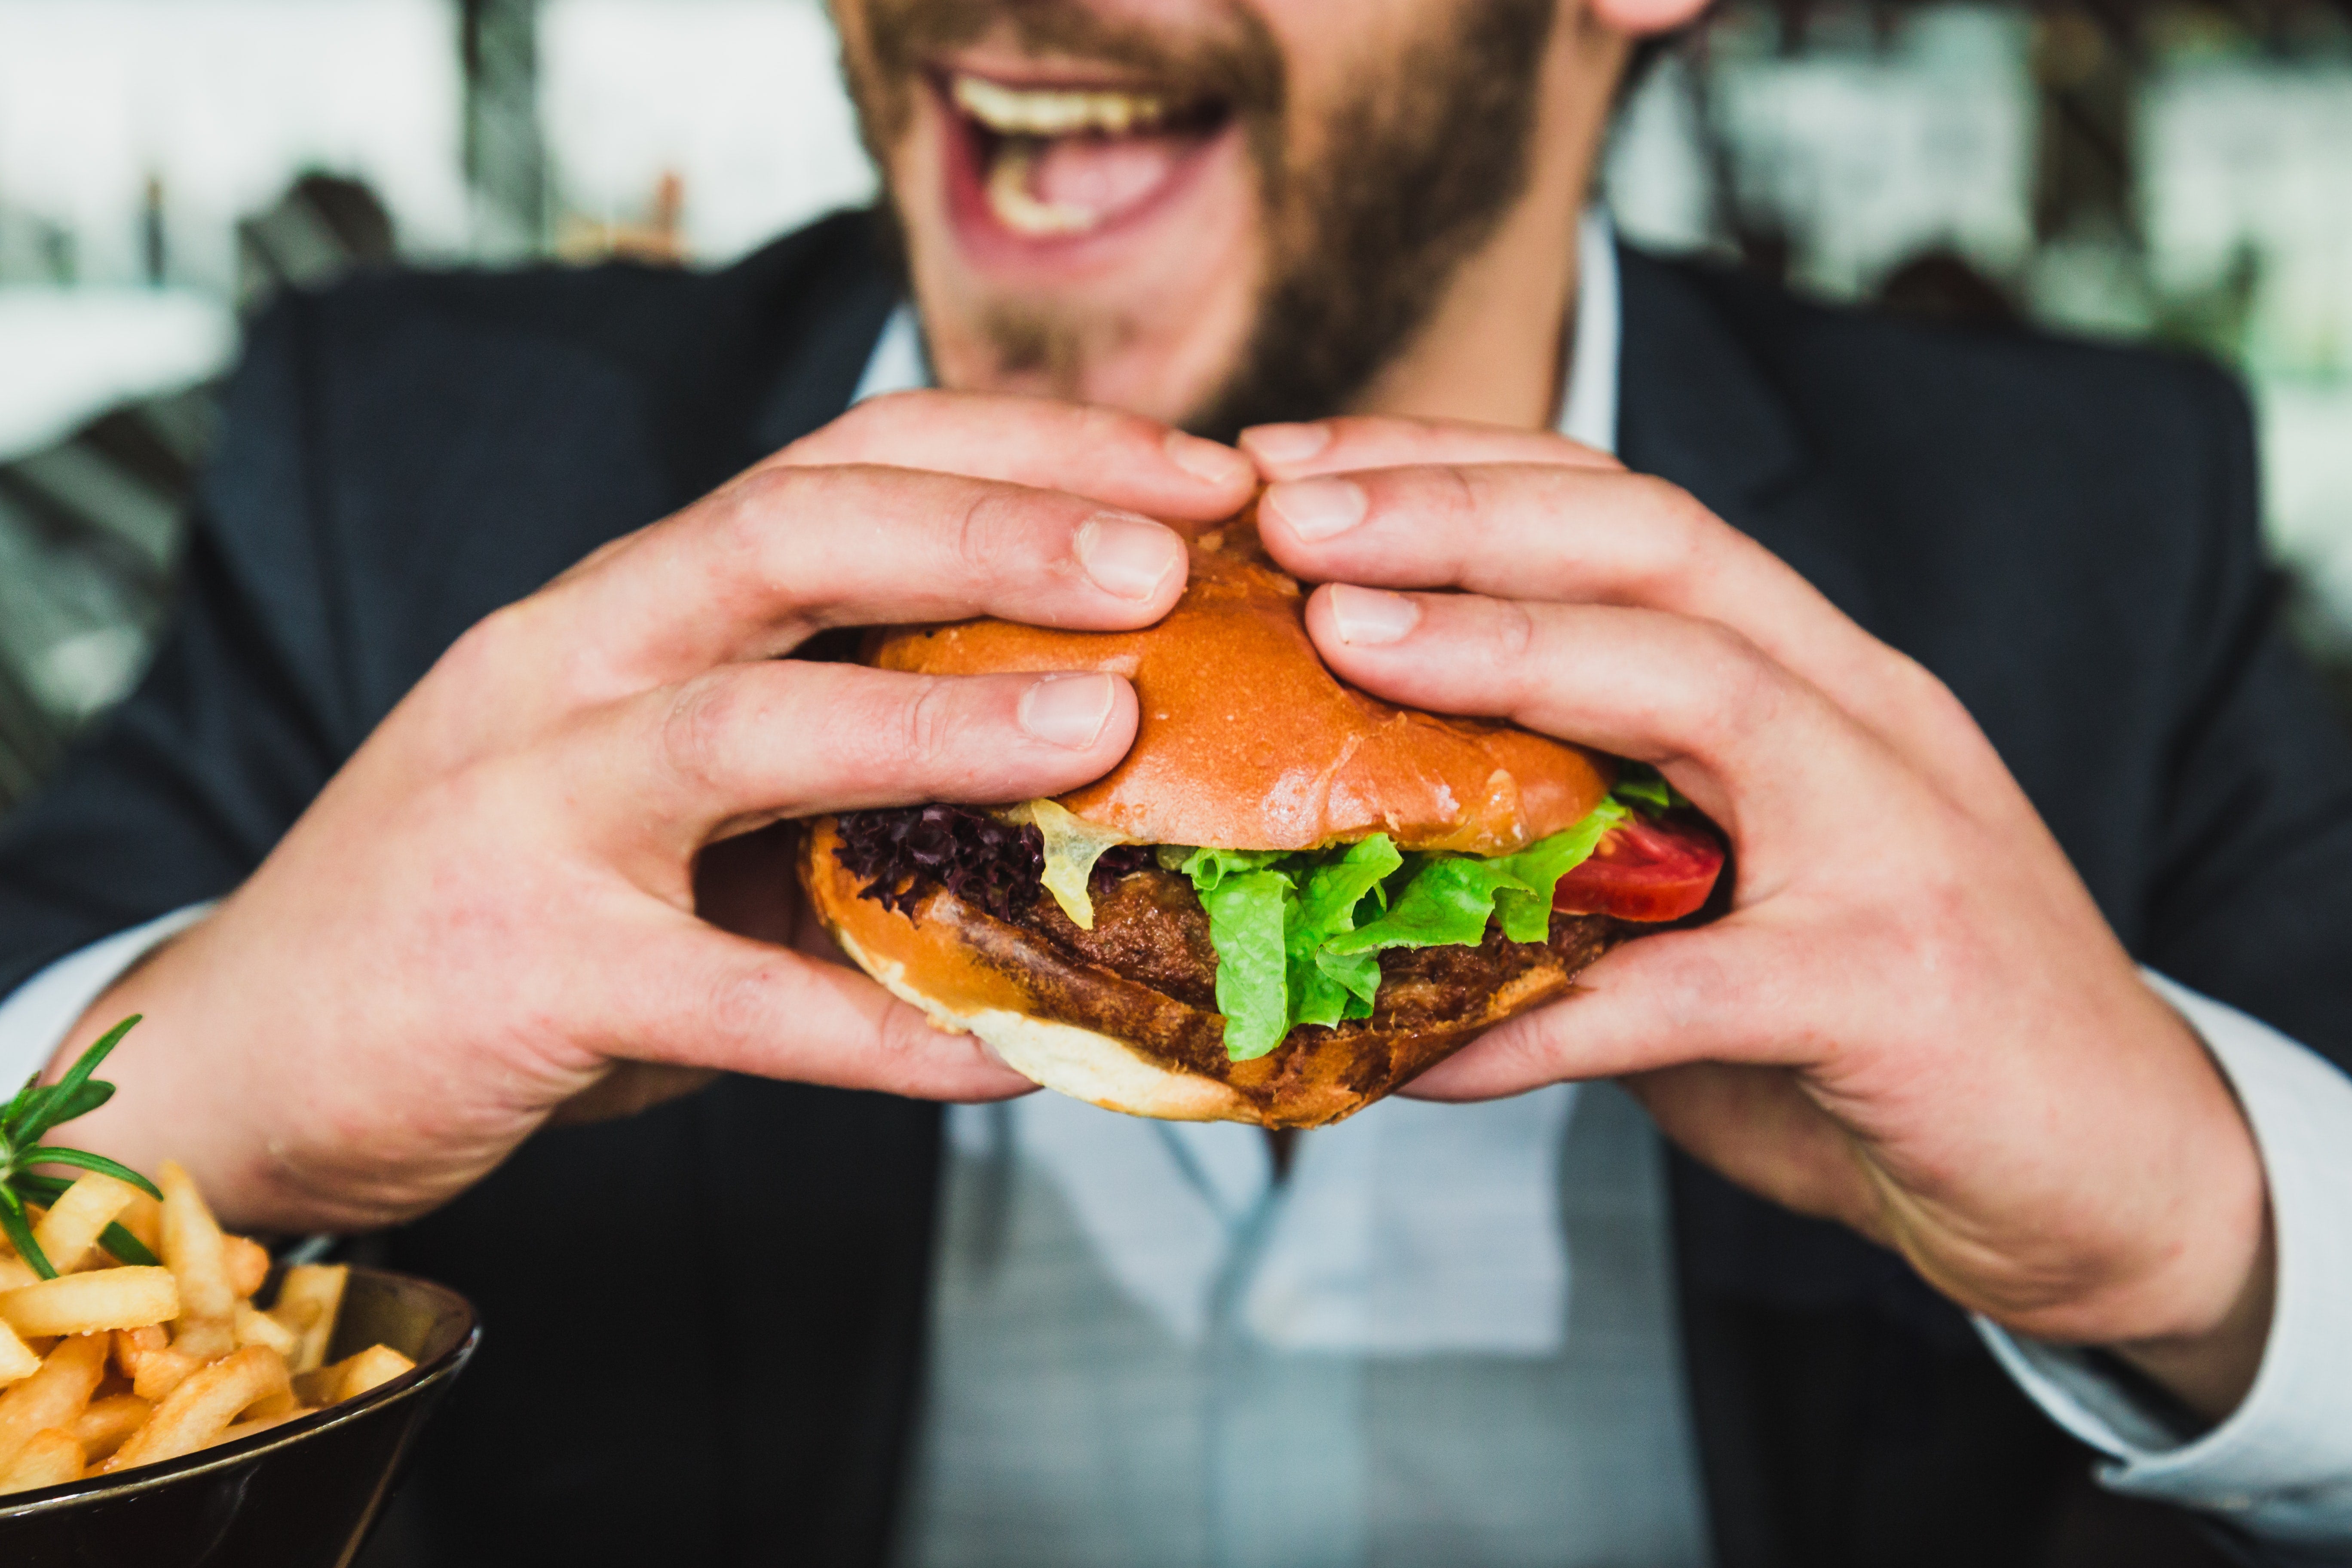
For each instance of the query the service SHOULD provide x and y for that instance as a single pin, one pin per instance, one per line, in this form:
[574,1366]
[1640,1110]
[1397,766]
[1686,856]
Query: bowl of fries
[168,1396]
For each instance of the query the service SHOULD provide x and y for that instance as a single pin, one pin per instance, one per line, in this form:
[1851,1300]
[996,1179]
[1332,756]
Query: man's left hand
[1913,1020]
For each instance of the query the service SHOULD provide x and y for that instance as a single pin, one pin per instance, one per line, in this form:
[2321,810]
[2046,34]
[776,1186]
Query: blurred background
[2180,175]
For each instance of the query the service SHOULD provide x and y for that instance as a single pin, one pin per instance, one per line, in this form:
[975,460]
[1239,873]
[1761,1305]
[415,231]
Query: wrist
[2149,1234]
[2213,1370]
[2198,1321]
[173,1098]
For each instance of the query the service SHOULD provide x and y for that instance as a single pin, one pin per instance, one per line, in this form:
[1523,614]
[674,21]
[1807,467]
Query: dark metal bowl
[303,1495]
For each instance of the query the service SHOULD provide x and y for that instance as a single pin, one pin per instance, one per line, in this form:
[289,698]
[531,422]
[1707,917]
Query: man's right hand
[492,907]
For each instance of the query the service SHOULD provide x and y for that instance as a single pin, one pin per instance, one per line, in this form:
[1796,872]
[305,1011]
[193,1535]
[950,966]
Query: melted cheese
[1073,845]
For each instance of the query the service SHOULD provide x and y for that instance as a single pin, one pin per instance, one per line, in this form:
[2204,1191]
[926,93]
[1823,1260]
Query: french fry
[373,1367]
[198,1364]
[255,1327]
[351,1376]
[105,1423]
[50,1458]
[68,1234]
[17,1360]
[308,1298]
[53,1396]
[148,1360]
[246,1263]
[192,1250]
[271,1405]
[86,1303]
[205,1338]
[203,1406]
[133,1345]
[297,1317]
[247,1429]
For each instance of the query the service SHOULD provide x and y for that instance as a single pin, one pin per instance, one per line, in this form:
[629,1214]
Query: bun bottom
[1086,1031]
[1083,1063]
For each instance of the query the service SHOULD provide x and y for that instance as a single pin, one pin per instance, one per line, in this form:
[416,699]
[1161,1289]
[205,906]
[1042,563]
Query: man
[490,855]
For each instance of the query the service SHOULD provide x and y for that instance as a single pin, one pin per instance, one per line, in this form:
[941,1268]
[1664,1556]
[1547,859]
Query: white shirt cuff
[2281,1466]
[36,1018]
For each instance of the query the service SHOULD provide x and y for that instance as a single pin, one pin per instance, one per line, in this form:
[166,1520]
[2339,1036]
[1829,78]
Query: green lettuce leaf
[1210,867]
[1298,934]
[1446,901]
[1246,921]
[1526,915]
[1324,993]
[1449,898]
[1639,783]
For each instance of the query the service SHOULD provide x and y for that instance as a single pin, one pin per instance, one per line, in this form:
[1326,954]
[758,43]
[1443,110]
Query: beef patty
[1147,973]
[1152,933]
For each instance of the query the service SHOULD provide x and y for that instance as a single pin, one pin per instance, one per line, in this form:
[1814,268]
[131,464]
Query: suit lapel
[1697,406]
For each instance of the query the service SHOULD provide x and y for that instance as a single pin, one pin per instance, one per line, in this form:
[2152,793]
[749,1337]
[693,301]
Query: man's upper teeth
[1055,111]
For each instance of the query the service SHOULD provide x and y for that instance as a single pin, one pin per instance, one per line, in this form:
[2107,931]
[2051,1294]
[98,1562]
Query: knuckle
[985,533]
[698,729]
[1461,493]
[499,638]
[857,434]
[754,498]
[751,549]
[1098,425]
[925,726]
[1683,534]
[516,653]
[1739,690]
[902,1038]
[1515,638]
[1922,688]
[740,1004]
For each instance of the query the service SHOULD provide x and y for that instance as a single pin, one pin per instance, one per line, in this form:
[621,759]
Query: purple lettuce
[902,855]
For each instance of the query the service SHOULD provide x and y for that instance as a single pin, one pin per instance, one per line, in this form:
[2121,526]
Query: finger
[700,998]
[1752,745]
[755,568]
[1369,441]
[1655,1004]
[1589,536]
[1119,459]
[747,744]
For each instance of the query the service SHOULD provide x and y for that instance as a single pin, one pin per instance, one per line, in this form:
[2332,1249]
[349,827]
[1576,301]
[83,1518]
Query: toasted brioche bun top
[1245,741]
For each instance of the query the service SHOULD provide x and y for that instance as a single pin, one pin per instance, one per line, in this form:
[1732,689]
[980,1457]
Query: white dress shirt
[1187,1225]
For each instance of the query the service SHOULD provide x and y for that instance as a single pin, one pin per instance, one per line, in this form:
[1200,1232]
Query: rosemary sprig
[27,1121]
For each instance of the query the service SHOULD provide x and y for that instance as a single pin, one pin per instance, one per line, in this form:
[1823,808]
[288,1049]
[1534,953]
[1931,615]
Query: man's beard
[1417,165]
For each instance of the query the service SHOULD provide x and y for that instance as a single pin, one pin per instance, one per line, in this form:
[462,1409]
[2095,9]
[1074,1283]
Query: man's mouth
[1064,162]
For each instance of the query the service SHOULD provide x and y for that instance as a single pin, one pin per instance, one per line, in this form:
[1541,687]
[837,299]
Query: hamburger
[1288,900]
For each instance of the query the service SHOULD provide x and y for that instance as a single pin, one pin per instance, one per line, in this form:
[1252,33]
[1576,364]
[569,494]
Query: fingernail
[1069,709]
[1211,461]
[1370,617]
[1286,443]
[1317,508]
[1128,555]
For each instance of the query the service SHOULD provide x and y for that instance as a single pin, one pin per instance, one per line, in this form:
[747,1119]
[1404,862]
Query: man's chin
[1152,368]
[1148,311]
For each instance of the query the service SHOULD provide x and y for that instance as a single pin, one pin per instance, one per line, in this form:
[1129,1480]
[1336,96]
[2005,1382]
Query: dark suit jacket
[2066,535]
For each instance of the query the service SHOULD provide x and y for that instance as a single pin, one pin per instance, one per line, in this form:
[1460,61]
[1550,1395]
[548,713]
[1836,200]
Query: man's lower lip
[986,238]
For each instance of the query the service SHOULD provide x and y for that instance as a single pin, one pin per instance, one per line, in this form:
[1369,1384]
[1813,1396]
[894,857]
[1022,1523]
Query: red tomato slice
[1644,870]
